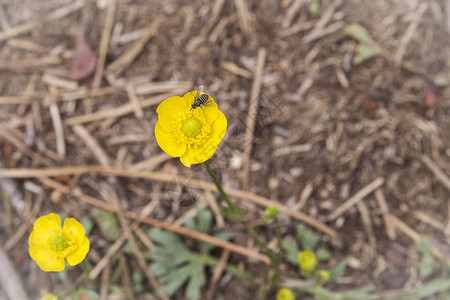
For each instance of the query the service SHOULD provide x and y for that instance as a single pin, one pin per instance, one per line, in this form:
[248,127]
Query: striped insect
[201,99]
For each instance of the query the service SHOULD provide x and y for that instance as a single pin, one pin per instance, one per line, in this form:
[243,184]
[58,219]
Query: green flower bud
[272,212]
[285,294]
[270,215]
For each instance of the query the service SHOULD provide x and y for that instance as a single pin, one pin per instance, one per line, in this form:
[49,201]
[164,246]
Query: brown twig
[138,112]
[437,172]
[384,208]
[356,198]
[115,112]
[127,282]
[16,100]
[92,144]
[10,137]
[116,67]
[31,63]
[201,184]
[409,33]
[245,16]
[57,122]
[104,282]
[216,274]
[252,112]
[104,44]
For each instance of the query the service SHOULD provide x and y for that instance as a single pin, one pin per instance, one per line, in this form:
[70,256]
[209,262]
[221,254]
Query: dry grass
[358,152]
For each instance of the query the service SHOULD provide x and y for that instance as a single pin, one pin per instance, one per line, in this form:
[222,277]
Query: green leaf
[338,270]
[88,224]
[365,52]
[323,254]
[428,289]
[357,293]
[169,288]
[137,277]
[195,283]
[367,47]
[175,265]
[202,222]
[427,260]
[108,224]
[358,32]
[308,239]
[290,246]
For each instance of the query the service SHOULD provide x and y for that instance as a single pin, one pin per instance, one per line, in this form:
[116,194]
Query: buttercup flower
[322,275]
[307,262]
[51,246]
[190,134]
[285,294]
[49,297]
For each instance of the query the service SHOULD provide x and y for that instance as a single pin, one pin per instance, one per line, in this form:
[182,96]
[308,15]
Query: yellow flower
[285,294]
[322,275]
[190,134]
[49,297]
[307,261]
[51,246]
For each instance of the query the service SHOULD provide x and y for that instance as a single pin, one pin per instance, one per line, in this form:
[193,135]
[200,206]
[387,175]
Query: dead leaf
[430,97]
[83,62]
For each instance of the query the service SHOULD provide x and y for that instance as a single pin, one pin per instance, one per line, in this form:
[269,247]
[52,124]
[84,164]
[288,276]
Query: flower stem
[240,218]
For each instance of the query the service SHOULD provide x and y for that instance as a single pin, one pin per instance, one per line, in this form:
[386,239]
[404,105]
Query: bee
[201,99]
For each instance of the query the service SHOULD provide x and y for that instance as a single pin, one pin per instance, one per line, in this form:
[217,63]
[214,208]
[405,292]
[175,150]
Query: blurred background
[338,110]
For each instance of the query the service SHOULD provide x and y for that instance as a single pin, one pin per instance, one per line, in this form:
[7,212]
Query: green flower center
[191,127]
[59,243]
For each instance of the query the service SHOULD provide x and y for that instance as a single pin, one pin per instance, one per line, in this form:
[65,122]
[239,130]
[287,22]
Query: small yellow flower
[322,275]
[51,246]
[49,297]
[190,134]
[285,294]
[307,261]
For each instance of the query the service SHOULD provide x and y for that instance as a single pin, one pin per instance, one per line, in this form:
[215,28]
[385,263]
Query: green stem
[233,208]
[277,258]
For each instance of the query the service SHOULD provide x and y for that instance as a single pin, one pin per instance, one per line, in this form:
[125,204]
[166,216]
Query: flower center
[191,127]
[59,243]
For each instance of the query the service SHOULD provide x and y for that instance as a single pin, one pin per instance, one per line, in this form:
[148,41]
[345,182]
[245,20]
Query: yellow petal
[210,111]
[168,142]
[218,130]
[169,110]
[44,228]
[197,156]
[75,228]
[80,253]
[45,260]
